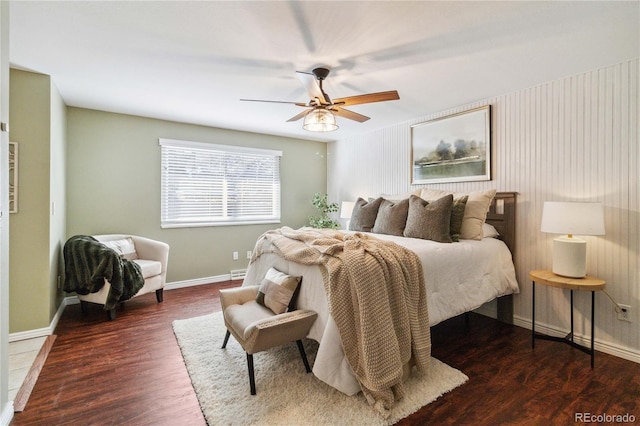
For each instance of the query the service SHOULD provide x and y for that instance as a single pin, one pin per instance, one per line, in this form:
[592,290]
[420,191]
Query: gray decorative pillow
[429,220]
[392,217]
[277,290]
[364,213]
[475,210]
[457,214]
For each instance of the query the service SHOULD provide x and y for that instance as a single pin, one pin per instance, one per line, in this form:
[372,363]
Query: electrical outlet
[235,255]
[625,313]
[249,254]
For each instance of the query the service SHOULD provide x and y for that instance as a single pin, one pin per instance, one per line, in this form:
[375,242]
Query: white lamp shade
[572,218]
[320,120]
[346,209]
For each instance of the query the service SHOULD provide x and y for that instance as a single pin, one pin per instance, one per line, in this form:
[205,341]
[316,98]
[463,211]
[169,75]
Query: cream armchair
[151,255]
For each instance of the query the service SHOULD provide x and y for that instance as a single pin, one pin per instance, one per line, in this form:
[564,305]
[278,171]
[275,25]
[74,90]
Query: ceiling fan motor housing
[320,73]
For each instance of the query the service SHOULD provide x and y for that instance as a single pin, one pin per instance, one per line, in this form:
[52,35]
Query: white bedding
[459,277]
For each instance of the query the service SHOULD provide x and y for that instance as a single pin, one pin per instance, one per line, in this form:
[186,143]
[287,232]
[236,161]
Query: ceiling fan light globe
[320,120]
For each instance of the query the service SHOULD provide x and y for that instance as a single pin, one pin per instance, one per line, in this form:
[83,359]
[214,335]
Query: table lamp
[571,218]
[346,209]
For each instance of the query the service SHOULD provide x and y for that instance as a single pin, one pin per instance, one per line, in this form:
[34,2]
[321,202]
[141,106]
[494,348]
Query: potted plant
[324,207]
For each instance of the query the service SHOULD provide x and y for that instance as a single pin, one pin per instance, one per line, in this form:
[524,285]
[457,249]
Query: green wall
[38,124]
[113,186]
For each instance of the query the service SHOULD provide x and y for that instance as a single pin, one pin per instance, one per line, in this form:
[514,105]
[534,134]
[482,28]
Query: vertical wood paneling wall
[574,139]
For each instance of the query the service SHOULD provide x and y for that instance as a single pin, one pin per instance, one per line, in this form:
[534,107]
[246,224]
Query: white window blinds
[207,185]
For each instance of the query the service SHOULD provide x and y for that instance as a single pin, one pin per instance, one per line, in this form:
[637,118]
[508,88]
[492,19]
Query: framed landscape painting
[455,148]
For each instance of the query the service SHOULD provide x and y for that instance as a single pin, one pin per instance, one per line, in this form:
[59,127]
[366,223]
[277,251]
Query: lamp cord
[618,308]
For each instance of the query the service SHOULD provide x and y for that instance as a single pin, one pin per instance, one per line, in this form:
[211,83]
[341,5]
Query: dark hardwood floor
[130,371]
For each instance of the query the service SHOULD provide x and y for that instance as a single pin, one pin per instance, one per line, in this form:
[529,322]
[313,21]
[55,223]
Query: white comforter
[459,277]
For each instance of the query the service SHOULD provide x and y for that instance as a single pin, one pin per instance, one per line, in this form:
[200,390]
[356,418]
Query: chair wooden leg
[252,380]
[84,306]
[303,355]
[226,339]
[159,295]
[112,314]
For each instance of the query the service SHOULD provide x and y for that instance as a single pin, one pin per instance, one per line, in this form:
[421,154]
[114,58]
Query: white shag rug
[286,394]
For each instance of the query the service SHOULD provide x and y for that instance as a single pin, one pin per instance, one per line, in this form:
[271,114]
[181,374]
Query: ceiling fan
[320,115]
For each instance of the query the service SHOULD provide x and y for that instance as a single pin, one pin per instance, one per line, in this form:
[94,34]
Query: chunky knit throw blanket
[377,299]
[88,263]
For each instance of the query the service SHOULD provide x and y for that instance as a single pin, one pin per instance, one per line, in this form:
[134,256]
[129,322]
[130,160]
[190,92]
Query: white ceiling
[192,61]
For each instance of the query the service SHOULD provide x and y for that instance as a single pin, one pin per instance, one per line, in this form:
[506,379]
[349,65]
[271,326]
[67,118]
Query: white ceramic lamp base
[570,257]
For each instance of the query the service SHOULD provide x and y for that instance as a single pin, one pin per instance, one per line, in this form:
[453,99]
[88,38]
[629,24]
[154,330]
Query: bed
[458,277]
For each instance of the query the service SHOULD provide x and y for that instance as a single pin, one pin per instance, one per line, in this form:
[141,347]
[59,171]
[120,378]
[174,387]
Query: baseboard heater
[238,274]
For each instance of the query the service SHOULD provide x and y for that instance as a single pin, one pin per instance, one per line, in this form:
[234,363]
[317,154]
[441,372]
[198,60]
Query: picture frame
[453,148]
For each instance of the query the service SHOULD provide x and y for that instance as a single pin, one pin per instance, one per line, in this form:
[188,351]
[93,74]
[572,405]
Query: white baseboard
[606,347]
[7,414]
[197,281]
[40,332]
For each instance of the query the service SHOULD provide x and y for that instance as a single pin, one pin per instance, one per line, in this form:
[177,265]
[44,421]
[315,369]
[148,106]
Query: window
[208,185]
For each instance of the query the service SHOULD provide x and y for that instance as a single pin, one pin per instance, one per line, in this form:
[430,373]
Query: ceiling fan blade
[391,95]
[345,113]
[310,83]
[299,116]
[275,102]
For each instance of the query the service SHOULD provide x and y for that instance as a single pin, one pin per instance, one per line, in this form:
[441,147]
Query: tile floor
[21,356]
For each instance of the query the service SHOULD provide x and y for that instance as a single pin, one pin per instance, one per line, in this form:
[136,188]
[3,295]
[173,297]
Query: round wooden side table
[550,279]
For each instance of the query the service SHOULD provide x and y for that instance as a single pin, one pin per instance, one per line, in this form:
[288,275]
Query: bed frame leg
[505,309]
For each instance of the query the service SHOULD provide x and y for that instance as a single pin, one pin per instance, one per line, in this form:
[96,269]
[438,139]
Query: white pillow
[124,247]
[489,231]
[475,212]
[429,194]
[401,196]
